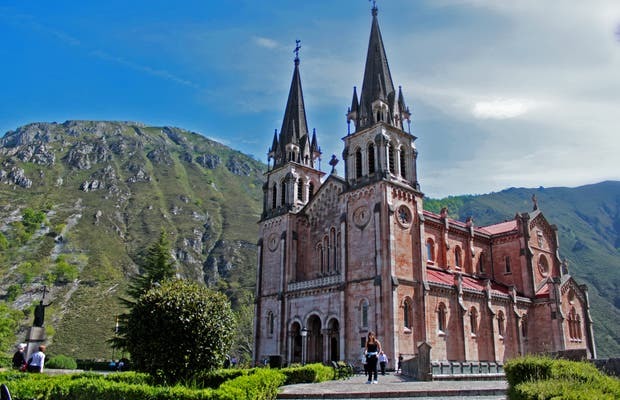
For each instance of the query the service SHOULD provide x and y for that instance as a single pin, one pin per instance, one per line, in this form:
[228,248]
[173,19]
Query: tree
[156,266]
[178,328]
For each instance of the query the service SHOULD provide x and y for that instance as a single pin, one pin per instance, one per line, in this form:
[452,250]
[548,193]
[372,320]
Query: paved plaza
[396,387]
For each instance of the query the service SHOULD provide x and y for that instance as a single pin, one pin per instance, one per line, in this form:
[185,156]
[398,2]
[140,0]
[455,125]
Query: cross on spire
[297,48]
[374,7]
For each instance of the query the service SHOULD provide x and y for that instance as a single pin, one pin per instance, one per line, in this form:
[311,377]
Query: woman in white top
[36,361]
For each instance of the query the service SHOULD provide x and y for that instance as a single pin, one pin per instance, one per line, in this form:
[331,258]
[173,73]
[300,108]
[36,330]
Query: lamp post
[304,345]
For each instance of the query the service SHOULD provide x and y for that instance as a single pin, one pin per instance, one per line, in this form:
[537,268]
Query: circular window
[403,216]
[361,216]
[543,266]
[272,242]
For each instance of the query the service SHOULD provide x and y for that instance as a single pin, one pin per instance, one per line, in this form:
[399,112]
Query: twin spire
[377,102]
[294,143]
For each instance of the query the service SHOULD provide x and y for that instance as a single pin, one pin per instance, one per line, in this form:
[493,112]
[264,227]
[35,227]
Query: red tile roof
[447,278]
[502,227]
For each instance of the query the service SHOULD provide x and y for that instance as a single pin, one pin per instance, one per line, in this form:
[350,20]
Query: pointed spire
[377,84]
[294,124]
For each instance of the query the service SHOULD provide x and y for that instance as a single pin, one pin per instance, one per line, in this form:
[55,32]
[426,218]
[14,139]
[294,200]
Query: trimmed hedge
[229,384]
[260,384]
[61,362]
[308,374]
[541,378]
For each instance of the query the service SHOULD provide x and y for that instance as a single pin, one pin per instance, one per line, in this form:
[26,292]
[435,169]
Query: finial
[374,8]
[297,48]
[535,202]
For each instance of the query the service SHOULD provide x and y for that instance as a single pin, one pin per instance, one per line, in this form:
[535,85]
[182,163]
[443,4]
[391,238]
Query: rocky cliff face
[107,189]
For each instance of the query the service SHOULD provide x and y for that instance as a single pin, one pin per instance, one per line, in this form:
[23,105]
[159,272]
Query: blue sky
[504,93]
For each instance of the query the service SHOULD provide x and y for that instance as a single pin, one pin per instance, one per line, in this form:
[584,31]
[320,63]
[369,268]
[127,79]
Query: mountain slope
[588,221]
[107,189]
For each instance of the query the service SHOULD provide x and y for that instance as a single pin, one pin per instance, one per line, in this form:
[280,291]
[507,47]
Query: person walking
[19,358]
[383,360]
[35,364]
[373,348]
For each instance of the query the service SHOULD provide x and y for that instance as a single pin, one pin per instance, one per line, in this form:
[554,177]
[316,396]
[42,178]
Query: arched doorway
[333,329]
[314,340]
[296,343]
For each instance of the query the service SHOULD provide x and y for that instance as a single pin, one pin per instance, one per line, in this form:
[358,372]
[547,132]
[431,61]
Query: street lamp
[304,345]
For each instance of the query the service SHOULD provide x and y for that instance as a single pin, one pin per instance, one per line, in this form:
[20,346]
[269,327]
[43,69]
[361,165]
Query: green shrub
[213,379]
[61,362]
[308,374]
[263,384]
[544,378]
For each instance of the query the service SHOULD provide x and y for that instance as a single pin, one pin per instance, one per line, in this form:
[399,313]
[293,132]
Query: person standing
[373,348]
[35,364]
[383,360]
[400,364]
[19,358]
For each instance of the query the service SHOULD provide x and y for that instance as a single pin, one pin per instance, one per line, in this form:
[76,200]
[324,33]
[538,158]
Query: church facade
[339,256]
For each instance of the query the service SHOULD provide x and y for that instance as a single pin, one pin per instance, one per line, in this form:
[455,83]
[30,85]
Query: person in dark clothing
[373,348]
[19,358]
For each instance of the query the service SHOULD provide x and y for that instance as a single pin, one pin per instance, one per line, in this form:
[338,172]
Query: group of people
[33,364]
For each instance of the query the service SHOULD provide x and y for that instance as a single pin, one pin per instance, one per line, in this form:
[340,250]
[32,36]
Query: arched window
[270,322]
[274,196]
[358,163]
[574,325]
[371,158]
[391,158]
[332,239]
[408,312]
[524,326]
[481,263]
[501,323]
[430,250]
[326,254]
[319,249]
[300,189]
[283,193]
[507,261]
[378,115]
[310,190]
[364,313]
[473,320]
[337,264]
[441,317]
[457,257]
[403,162]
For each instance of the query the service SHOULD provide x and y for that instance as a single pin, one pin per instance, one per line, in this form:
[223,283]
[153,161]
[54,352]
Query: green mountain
[107,189]
[81,201]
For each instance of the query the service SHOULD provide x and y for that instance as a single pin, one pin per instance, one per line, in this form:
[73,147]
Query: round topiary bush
[179,328]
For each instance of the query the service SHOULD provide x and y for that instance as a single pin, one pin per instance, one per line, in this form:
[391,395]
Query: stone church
[339,256]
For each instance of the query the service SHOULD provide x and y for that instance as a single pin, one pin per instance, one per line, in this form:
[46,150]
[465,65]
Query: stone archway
[314,340]
[333,329]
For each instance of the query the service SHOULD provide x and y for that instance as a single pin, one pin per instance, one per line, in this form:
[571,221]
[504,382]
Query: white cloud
[265,42]
[500,108]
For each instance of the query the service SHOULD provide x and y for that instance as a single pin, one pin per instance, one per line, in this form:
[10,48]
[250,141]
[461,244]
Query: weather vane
[374,3]
[297,48]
